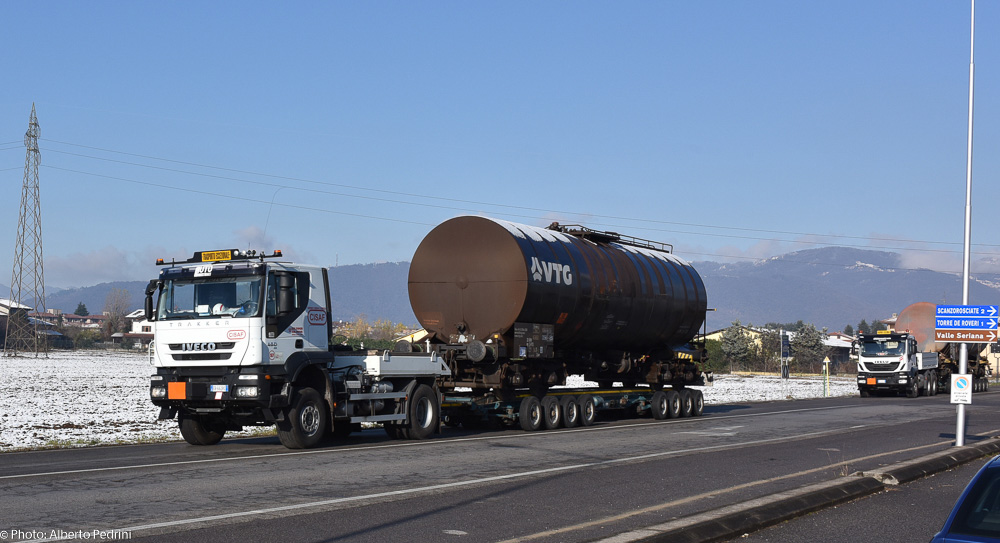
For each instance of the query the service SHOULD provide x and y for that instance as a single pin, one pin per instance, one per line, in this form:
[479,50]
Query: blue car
[976,515]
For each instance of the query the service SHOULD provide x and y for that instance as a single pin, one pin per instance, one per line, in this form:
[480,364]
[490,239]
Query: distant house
[141,329]
[84,321]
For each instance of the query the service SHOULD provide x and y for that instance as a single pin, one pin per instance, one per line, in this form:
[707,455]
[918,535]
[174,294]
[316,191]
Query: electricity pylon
[28,277]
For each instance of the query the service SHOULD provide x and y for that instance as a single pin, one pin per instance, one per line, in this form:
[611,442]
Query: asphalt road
[567,485]
[909,512]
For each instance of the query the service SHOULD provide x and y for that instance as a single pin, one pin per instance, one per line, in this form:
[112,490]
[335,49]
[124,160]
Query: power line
[490,204]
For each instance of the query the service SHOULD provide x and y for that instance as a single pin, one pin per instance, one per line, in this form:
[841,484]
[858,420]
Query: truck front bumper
[229,392]
[883,380]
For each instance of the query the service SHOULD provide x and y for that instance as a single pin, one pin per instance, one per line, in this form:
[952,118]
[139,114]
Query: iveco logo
[198,346]
[550,272]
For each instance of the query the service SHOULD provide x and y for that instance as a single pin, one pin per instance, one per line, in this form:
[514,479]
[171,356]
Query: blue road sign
[965,323]
[967,311]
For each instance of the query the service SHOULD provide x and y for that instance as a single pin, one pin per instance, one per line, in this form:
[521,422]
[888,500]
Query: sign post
[964,324]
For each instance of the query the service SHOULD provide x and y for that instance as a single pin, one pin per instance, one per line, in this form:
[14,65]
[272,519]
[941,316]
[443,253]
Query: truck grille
[881,366]
[218,351]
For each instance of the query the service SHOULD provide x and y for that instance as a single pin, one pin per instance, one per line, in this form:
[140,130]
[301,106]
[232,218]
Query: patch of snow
[85,398]
[859,265]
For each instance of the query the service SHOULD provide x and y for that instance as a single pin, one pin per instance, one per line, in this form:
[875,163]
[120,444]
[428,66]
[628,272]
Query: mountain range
[829,287]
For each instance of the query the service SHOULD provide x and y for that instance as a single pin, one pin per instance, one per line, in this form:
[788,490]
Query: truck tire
[864,392]
[551,412]
[673,404]
[697,403]
[570,412]
[686,405]
[198,431]
[658,405]
[530,414]
[424,414]
[306,421]
[588,410]
[933,378]
[912,390]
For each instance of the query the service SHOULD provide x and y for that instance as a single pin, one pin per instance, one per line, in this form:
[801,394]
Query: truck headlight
[247,392]
[158,392]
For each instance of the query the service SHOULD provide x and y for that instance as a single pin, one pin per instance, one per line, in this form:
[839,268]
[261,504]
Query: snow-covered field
[84,398]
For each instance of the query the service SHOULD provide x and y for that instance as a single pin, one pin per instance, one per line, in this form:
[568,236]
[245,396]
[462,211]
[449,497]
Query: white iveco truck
[890,361]
[241,340]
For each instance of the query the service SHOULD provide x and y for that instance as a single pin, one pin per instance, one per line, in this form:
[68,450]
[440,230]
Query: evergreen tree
[849,330]
[81,310]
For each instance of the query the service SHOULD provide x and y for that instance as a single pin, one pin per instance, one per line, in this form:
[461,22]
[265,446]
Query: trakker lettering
[550,272]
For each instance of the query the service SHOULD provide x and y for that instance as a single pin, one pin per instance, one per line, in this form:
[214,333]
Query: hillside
[829,287]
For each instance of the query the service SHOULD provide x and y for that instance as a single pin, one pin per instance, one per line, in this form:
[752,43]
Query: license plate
[881,381]
[220,388]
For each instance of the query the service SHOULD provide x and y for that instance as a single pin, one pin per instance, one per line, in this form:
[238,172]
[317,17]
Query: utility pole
[28,278]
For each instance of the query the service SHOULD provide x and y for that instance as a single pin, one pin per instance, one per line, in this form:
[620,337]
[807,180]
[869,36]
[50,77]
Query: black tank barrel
[478,276]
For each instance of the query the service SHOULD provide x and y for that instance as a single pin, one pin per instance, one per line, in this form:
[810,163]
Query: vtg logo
[550,272]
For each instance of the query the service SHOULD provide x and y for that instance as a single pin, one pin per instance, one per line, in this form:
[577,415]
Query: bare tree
[116,306]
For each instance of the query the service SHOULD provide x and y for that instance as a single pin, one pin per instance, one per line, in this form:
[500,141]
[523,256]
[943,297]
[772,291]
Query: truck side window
[272,295]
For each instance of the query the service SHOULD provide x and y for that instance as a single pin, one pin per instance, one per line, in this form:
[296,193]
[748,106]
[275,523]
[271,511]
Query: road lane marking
[452,485]
[434,442]
[713,494]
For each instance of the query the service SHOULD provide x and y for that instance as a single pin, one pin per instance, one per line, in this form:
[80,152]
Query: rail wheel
[588,410]
[570,412]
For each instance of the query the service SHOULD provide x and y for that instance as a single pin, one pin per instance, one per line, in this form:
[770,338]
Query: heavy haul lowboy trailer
[243,339]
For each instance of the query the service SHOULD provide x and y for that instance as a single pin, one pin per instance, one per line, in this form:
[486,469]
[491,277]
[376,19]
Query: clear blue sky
[731,129]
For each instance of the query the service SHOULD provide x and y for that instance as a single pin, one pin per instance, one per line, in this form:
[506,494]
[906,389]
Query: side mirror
[150,289]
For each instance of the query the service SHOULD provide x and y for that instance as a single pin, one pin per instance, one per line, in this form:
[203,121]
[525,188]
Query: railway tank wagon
[519,306]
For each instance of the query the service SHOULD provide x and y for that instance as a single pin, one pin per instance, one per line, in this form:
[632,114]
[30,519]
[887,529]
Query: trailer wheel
[686,404]
[570,412]
[552,412]
[588,410]
[530,414]
[697,403]
[934,383]
[673,404]
[424,415]
[197,431]
[306,422]
[658,405]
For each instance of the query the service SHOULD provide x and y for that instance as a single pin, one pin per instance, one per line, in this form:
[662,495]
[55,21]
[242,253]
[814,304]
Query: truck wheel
[673,404]
[658,405]
[530,414]
[552,412]
[198,431]
[306,422]
[588,410]
[912,390]
[424,413]
[697,403]
[686,405]
[570,412]
[863,392]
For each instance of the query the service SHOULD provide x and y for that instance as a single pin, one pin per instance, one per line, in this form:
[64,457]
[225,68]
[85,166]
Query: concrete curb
[735,520]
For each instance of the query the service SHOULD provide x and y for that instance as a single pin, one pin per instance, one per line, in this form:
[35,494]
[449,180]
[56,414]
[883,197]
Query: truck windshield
[210,297]
[882,347]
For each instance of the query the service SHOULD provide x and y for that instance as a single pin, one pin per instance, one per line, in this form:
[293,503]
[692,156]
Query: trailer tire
[570,412]
[530,414]
[934,383]
[697,403]
[306,422]
[673,404]
[196,431]
[551,412]
[658,405]
[424,413]
[686,404]
[588,410]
